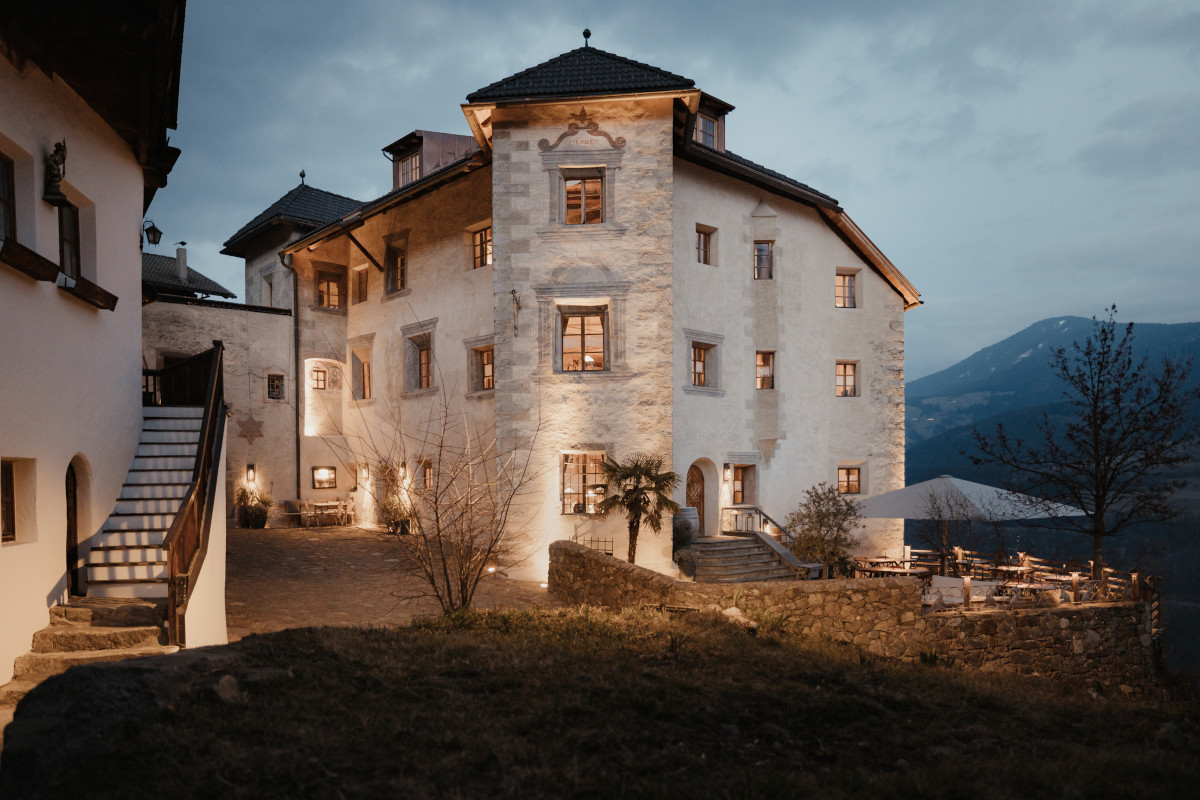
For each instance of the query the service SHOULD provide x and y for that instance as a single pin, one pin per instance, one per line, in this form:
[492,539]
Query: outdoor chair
[292,513]
[308,513]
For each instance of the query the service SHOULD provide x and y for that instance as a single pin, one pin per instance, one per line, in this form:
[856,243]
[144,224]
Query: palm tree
[640,488]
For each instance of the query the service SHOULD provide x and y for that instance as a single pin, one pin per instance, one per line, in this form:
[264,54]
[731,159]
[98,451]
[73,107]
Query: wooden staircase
[87,630]
[738,559]
[129,560]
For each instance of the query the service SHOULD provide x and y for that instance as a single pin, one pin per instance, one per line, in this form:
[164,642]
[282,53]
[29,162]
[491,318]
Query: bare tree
[1129,426]
[822,527]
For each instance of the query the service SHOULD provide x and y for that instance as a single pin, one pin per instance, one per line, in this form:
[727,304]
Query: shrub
[822,528]
[394,512]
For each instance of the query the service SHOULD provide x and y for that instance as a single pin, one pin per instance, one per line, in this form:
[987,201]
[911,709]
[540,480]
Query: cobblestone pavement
[279,578]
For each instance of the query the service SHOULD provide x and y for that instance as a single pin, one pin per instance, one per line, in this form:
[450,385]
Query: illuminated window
[360,284]
[426,474]
[845,381]
[360,360]
[418,356]
[487,369]
[764,370]
[763,258]
[580,476]
[274,387]
[319,377]
[583,339]
[848,480]
[410,169]
[706,130]
[68,240]
[739,485]
[395,271]
[843,291]
[8,194]
[481,248]
[583,197]
[324,477]
[700,358]
[329,289]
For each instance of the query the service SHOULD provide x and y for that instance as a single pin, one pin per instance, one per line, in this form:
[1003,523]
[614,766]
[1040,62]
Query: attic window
[410,169]
[706,130]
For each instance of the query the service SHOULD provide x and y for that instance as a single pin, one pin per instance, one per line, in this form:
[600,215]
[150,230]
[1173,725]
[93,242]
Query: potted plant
[394,512]
[685,559]
[258,509]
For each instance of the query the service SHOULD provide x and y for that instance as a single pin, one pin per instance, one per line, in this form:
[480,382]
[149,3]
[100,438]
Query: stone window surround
[712,362]
[397,240]
[559,164]
[613,295]
[469,234]
[339,270]
[355,346]
[413,334]
[863,477]
[474,346]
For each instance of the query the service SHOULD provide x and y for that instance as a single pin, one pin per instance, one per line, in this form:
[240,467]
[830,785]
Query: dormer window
[706,130]
[410,169]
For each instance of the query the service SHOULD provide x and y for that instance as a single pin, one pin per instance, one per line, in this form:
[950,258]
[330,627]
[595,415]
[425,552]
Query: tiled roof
[304,205]
[162,273]
[779,176]
[582,72]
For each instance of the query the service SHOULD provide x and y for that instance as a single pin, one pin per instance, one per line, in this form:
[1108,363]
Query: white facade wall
[797,434]
[72,373]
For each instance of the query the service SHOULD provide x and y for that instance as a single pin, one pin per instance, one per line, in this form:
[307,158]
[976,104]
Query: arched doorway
[76,582]
[695,494]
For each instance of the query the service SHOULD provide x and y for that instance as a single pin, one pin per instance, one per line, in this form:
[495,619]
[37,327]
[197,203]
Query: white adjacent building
[594,265]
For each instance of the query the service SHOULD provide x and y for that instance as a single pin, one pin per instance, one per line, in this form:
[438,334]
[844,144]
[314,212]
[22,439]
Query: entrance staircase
[129,560]
[737,559]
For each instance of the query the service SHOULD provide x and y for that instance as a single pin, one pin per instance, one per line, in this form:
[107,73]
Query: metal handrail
[186,543]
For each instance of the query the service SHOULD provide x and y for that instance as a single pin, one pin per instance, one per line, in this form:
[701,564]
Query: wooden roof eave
[861,244]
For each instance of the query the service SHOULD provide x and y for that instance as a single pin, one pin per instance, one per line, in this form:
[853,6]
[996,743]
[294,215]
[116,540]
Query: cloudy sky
[1016,160]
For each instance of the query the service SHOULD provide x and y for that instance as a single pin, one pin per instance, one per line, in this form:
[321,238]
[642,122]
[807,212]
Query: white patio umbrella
[946,497]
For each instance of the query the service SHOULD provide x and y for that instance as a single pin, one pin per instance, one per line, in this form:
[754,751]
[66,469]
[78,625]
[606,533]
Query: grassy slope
[584,704]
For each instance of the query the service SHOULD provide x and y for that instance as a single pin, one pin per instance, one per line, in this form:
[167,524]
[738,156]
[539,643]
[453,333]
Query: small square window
[395,269]
[361,277]
[324,477]
[481,248]
[763,260]
[846,379]
[329,289]
[580,476]
[843,291]
[68,240]
[584,338]
[764,370]
[274,387]
[319,378]
[848,480]
[584,200]
[410,169]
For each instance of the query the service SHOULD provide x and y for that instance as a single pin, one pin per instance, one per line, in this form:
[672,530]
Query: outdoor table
[919,572]
[326,507]
[1006,570]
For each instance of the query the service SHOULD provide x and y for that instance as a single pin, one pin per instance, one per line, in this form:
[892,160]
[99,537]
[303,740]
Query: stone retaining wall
[1105,643]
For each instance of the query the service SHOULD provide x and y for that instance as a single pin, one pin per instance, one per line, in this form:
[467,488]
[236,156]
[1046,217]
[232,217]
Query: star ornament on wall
[251,428]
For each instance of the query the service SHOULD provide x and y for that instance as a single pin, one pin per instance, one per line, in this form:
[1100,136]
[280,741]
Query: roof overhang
[715,160]
[479,115]
[861,244]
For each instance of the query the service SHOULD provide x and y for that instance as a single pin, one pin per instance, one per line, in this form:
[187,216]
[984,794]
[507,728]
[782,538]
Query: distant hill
[1011,382]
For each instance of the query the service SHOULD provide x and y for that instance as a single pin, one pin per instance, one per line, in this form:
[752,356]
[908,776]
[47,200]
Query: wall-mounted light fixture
[250,473]
[364,472]
[728,471]
[153,234]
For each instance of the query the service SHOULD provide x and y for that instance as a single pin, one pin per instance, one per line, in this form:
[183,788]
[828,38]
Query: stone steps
[79,638]
[738,560]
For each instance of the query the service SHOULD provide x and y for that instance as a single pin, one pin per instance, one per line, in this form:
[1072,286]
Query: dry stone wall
[1107,644]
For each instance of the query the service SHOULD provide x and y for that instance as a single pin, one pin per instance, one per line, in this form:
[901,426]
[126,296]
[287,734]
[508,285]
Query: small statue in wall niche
[56,170]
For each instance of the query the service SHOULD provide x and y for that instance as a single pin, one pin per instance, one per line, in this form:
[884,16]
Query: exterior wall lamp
[153,234]
[364,472]
[728,471]
[250,473]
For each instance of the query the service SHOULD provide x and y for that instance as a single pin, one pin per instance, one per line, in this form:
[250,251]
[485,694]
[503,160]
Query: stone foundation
[1110,644]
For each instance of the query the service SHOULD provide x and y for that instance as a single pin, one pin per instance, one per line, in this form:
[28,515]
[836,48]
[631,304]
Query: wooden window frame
[849,480]
[579,472]
[764,260]
[487,367]
[410,169]
[481,248]
[277,380]
[362,284]
[425,366]
[68,241]
[738,486]
[330,280]
[845,379]
[331,483]
[319,377]
[701,135]
[703,247]
[764,369]
[843,290]
[588,213]
[395,270]
[700,353]
[8,198]
[583,313]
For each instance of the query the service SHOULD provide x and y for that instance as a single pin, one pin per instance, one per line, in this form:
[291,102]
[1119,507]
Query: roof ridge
[563,59]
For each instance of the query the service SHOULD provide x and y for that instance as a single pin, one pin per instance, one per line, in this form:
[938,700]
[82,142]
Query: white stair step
[135,476]
[172,424]
[147,491]
[124,555]
[165,462]
[127,572]
[152,412]
[161,449]
[155,505]
[139,522]
[157,437]
[148,538]
[130,589]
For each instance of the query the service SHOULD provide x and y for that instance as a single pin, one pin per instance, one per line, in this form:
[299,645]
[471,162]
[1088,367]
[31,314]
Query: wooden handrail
[186,543]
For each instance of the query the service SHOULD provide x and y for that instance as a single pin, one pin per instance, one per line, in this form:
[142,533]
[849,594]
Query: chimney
[181,263]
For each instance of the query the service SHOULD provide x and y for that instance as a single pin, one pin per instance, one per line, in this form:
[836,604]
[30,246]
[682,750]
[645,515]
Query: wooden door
[695,495]
[75,585]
